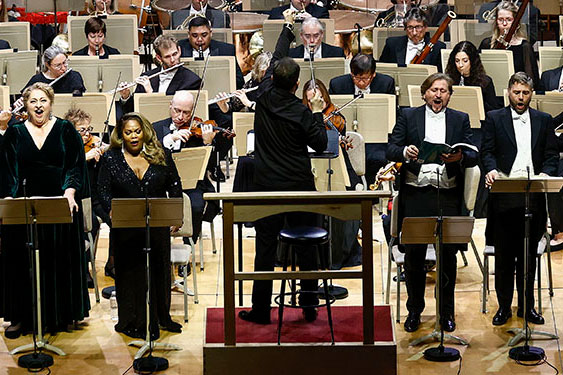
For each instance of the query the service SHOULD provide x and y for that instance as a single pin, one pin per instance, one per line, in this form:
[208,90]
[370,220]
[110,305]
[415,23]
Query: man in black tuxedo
[199,41]
[312,33]
[173,138]
[217,18]
[364,80]
[418,192]
[552,80]
[312,10]
[517,140]
[284,127]
[4,44]
[402,49]
[168,55]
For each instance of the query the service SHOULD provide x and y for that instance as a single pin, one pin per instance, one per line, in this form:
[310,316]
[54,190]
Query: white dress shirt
[318,53]
[434,132]
[195,53]
[164,81]
[169,143]
[200,12]
[358,91]
[412,49]
[523,133]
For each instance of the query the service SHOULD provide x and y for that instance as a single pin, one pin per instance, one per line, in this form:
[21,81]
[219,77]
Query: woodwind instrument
[504,40]
[421,55]
[131,84]
[231,95]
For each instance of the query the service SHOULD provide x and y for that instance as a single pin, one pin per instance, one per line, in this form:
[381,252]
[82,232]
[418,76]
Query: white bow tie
[522,118]
[438,116]
[415,47]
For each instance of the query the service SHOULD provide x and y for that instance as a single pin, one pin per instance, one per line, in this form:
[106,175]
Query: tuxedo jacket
[395,51]
[108,51]
[410,130]
[184,79]
[499,142]
[217,18]
[550,79]
[216,48]
[313,9]
[4,44]
[381,84]
[326,51]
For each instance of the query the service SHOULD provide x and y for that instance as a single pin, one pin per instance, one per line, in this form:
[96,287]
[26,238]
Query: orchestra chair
[380,35]
[4,97]
[220,75]
[17,34]
[254,5]
[470,30]
[192,165]
[156,106]
[122,32]
[550,58]
[17,68]
[551,102]
[101,75]
[91,243]
[361,114]
[357,155]
[97,104]
[243,122]
[412,74]
[468,99]
[325,70]
[498,64]
[303,236]
[182,254]
[222,35]
[271,30]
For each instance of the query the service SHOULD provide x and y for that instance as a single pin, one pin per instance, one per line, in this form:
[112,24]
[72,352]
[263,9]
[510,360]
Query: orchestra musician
[298,6]
[433,122]
[312,33]
[284,127]
[530,18]
[103,7]
[134,166]
[200,42]
[522,50]
[95,30]
[174,133]
[402,49]
[364,80]
[517,139]
[217,18]
[44,156]
[55,64]
[167,55]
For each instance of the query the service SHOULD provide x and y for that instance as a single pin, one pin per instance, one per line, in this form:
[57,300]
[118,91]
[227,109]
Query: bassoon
[421,55]
[503,41]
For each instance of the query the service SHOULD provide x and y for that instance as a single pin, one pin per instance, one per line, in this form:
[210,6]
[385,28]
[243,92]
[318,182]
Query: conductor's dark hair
[199,21]
[94,25]
[286,73]
[362,63]
[416,14]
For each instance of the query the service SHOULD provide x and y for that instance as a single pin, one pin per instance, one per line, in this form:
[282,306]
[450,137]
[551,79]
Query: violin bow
[199,89]
[106,123]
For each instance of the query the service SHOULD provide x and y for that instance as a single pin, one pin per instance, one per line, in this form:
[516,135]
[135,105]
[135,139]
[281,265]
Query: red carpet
[347,321]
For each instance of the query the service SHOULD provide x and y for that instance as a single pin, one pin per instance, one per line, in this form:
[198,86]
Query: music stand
[31,212]
[146,213]
[439,230]
[527,185]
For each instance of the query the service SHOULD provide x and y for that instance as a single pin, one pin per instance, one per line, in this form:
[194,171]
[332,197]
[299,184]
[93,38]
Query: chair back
[242,123]
[357,153]
[87,214]
[271,30]
[97,104]
[122,32]
[17,34]
[395,217]
[550,58]
[471,185]
[186,230]
[156,106]
[499,65]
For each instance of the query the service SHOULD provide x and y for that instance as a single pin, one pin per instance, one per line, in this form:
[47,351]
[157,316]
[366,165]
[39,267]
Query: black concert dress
[58,165]
[69,84]
[117,180]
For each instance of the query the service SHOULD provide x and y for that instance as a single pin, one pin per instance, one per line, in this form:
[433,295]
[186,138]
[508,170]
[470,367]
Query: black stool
[303,236]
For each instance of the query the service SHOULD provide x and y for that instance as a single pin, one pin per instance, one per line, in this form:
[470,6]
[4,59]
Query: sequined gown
[117,180]
[58,165]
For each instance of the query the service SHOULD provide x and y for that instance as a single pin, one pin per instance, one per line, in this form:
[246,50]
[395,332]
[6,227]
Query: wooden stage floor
[95,348]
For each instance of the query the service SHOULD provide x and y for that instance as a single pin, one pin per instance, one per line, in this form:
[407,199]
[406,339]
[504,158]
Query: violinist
[174,133]
[95,30]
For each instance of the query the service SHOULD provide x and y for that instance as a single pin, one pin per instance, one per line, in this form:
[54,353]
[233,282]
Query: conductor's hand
[451,157]
[223,105]
[317,103]
[69,195]
[412,152]
[491,177]
[289,16]
[145,82]
[182,134]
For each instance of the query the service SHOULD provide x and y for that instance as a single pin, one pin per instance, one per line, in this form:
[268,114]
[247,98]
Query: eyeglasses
[83,131]
[412,28]
[60,65]
[364,78]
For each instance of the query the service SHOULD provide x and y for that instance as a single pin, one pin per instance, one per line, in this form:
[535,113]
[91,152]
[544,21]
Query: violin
[386,174]
[93,143]
[336,119]
[197,123]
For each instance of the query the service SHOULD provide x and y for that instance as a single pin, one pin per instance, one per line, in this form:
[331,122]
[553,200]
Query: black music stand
[146,213]
[31,212]
[439,230]
[526,186]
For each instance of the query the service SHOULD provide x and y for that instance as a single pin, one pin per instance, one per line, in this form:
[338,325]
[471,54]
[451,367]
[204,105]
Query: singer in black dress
[135,162]
[44,156]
